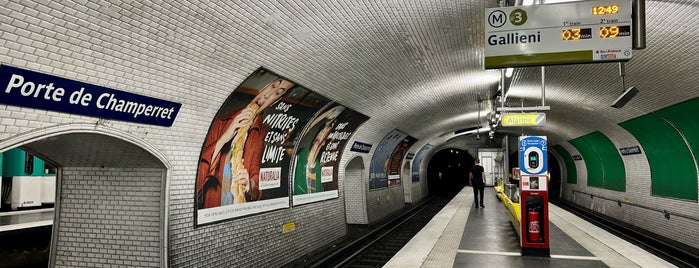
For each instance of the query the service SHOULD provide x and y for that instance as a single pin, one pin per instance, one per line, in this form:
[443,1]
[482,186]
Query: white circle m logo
[497,18]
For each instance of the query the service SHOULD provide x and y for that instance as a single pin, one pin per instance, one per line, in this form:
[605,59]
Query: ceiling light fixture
[627,94]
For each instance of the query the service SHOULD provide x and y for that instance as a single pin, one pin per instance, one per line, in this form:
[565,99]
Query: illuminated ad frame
[385,167]
[563,33]
[418,159]
[244,165]
[318,153]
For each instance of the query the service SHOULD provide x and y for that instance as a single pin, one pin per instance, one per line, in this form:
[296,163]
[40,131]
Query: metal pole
[622,72]
[543,86]
[639,24]
[502,88]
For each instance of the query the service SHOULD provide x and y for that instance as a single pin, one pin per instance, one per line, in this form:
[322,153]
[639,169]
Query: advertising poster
[394,166]
[319,151]
[245,159]
[383,158]
[418,159]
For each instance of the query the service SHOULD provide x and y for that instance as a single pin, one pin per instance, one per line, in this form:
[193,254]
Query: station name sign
[360,147]
[630,150]
[563,33]
[24,88]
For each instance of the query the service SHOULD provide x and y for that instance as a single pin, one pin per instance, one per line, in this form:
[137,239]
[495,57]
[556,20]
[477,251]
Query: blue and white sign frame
[533,151]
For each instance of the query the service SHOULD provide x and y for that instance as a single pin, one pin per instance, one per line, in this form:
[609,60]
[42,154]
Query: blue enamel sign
[24,88]
[533,155]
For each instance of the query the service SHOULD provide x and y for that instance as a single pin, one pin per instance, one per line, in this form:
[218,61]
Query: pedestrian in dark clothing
[477,179]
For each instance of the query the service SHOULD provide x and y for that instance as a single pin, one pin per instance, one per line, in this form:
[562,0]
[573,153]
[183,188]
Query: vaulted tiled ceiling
[415,65]
[418,65]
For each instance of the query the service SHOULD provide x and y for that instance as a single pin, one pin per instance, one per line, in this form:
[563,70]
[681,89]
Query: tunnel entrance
[447,171]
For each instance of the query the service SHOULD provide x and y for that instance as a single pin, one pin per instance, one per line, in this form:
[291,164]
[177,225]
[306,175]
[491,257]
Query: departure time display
[576,34]
[614,31]
[604,10]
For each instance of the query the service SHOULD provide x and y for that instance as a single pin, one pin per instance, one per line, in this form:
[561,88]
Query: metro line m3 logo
[498,18]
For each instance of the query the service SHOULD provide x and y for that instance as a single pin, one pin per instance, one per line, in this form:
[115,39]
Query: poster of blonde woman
[244,163]
[319,152]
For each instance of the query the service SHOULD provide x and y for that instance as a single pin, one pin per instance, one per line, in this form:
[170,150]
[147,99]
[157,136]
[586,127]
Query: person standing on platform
[477,179]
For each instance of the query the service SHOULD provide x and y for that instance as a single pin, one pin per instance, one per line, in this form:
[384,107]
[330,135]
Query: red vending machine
[534,198]
[534,223]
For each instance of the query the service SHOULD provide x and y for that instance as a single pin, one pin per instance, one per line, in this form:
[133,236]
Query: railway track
[377,247]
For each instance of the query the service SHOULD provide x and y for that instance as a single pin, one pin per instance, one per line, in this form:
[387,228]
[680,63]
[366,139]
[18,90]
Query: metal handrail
[620,202]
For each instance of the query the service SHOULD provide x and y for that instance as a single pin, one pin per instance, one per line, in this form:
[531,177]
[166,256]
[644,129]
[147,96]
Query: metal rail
[377,239]
[393,224]
[620,202]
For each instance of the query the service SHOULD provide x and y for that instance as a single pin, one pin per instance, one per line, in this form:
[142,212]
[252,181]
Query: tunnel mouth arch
[447,171]
[111,188]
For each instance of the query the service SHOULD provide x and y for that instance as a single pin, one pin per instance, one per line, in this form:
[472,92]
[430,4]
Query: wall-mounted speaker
[625,97]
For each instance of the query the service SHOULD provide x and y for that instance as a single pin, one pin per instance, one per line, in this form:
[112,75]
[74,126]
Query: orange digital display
[608,32]
[576,34]
[613,31]
[604,10]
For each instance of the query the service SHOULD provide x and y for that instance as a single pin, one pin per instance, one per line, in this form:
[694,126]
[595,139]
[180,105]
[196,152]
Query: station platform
[463,236]
[23,219]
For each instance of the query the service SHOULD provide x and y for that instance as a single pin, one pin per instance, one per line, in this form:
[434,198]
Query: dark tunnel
[447,171]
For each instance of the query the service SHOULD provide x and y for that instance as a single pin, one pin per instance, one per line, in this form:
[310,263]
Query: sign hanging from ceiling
[523,120]
[564,33]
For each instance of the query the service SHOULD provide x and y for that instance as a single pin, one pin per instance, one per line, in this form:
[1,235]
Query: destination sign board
[563,33]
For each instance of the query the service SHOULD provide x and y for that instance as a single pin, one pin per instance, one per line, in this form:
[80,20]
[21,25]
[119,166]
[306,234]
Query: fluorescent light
[508,72]
[483,130]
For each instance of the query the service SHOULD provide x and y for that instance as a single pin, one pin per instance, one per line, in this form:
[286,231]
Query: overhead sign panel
[524,119]
[565,33]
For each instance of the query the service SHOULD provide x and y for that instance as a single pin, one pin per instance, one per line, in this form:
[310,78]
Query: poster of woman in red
[245,159]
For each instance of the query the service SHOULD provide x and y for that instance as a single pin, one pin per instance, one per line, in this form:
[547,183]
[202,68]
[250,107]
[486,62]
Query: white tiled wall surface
[355,188]
[109,217]
[194,53]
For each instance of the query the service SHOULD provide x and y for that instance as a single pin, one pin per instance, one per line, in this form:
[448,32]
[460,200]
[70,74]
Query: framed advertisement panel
[385,168]
[244,163]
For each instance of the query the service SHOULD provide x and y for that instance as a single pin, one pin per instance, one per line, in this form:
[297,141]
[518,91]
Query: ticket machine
[533,185]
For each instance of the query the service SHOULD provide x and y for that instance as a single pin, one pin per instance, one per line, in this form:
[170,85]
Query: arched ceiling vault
[418,66]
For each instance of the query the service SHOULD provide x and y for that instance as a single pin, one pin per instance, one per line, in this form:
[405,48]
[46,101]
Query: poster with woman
[319,151]
[244,162]
[394,164]
[387,158]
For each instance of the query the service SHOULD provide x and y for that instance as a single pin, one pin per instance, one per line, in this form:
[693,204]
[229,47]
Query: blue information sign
[24,88]
[533,155]
[360,147]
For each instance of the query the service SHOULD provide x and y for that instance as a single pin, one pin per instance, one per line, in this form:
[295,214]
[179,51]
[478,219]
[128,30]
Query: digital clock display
[576,34]
[604,10]
[614,31]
